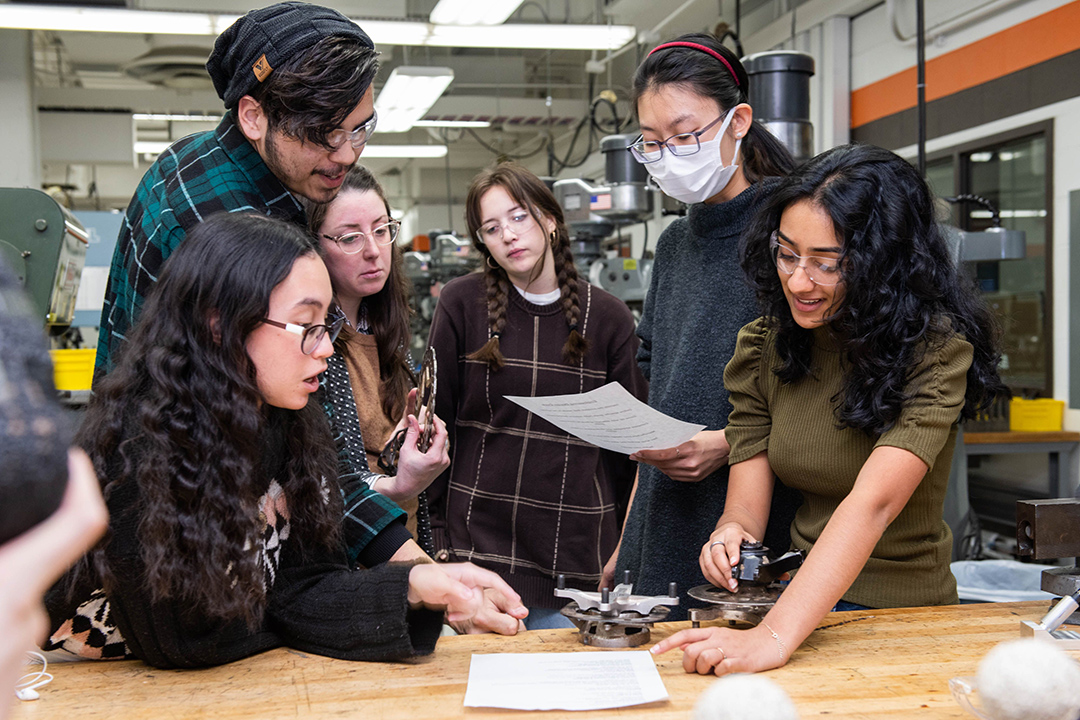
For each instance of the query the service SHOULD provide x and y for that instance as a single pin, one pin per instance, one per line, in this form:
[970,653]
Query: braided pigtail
[498,288]
[576,344]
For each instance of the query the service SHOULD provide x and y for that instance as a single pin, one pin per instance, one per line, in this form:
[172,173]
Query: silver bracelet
[780,647]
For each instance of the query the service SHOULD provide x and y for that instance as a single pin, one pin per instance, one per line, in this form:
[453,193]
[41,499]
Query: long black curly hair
[181,416]
[903,293]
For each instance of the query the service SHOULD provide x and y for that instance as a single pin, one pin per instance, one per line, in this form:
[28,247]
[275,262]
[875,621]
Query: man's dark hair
[311,95]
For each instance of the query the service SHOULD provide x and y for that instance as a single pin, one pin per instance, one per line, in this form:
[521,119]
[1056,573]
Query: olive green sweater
[796,424]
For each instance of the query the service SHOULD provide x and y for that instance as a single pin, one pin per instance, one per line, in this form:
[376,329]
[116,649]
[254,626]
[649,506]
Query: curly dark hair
[530,193]
[762,154]
[388,311]
[903,293]
[181,416]
[311,95]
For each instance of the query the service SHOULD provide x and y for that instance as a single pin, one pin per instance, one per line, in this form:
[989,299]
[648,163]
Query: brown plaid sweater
[522,497]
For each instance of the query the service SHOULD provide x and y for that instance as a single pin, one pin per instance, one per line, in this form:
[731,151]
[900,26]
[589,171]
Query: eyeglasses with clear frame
[312,335]
[353,242]
[357,137]
[519,221]
[822,270]
[649,151]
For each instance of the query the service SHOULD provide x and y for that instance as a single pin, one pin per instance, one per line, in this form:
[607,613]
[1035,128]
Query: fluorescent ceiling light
[403,151]
[408,94]
[388,32]
[471,12]
[170,117]
[151,147]
[452,123]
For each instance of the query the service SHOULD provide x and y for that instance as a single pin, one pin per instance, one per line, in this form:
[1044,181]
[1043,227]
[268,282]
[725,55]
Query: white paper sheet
[564,681]
[611,418]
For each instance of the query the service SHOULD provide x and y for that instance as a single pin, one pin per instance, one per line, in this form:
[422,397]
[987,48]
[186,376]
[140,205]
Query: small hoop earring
[493,267]
[552,238]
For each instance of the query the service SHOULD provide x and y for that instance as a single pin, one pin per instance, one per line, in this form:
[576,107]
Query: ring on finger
[723,655]
[678,453]
[715,542]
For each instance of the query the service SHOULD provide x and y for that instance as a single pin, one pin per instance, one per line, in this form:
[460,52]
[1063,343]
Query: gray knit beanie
[253,46]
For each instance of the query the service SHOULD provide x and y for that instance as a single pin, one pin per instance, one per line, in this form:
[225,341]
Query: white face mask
[696,178]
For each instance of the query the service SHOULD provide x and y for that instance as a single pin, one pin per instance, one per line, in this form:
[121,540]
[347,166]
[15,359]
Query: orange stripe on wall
[1031,42]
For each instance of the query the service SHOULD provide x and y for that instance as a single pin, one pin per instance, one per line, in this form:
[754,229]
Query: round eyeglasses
[822,270]
[356,137]
[649,151]
[312,335]
[353,242]
[518,222]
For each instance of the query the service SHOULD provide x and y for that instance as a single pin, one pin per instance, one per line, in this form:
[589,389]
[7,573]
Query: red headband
[704,49]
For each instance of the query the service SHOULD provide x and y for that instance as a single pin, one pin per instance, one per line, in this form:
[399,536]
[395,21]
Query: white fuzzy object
[745,697]
[1029,680]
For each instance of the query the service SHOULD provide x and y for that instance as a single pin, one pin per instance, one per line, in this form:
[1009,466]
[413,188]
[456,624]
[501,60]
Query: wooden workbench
[886,664]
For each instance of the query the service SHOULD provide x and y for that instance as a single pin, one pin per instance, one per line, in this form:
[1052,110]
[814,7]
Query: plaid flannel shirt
[197,176]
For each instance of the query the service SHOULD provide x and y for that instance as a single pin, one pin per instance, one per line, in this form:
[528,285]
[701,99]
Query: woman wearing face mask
[701,145]
[522,497]
[872,347]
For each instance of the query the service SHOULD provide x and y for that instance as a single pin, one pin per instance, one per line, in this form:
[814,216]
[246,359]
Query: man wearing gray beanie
[296,81]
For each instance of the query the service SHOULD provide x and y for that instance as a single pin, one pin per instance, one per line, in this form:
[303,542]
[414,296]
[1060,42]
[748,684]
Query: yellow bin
[1041,415]
[73,369]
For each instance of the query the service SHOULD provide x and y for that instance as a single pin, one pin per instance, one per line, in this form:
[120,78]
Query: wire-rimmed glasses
[357,137]
[822,270]
[519,221]
[353,242]
[312,335]
[649,151]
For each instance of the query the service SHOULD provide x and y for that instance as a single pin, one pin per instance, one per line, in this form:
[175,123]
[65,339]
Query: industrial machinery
[593,213]
[759,587]
[615,618]
[1047,530]
[449,257]
[780,96]
[45,246]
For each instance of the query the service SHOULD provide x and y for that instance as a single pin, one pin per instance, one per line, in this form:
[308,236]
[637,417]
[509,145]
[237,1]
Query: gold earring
[493,267]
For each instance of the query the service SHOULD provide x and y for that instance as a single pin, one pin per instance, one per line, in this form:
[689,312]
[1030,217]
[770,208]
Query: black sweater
[315,602]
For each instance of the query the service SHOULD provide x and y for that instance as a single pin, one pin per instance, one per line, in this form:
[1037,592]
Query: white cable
[27,687]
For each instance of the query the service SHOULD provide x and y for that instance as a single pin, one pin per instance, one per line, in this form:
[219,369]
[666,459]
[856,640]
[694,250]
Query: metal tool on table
[759,588]
[615,618]
[1045,530]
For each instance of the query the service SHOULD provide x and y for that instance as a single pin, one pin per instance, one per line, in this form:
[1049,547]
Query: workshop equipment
[615,618]
[1045,530]
[45,246]
[759,588]
[780,96]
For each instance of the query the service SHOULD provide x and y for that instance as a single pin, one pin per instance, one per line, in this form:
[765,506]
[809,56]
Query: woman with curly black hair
[217,469]
[871,348]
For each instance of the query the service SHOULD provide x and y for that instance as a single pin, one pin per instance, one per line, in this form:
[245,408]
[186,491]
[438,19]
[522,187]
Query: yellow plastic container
[73,369]
[1042,415]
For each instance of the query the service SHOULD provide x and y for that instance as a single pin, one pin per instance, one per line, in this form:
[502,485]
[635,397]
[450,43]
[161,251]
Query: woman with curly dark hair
[216,467]
[522,497]
[872,348]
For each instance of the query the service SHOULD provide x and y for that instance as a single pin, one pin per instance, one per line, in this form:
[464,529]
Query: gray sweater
[696,304]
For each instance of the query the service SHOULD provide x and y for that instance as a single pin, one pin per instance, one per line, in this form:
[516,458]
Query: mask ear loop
[26,688]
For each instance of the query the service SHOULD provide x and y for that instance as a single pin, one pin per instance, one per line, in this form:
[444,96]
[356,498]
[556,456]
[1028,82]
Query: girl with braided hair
[872,347]
[522,497]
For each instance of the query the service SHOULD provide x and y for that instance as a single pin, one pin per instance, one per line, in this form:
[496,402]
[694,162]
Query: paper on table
[611,418]
[564,681]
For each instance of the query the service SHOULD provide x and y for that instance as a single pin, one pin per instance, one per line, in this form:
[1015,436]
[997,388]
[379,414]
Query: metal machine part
[449,257]
[1050,529]
[758,590]
[425,415]
[626,278]
[593,213]
[780,96]
[615,618]
[45,246]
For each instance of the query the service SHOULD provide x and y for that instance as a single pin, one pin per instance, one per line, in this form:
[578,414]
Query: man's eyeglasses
[649,151]
[312,335]
[353,242]
[356,137]
[822,270]
[518,222]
